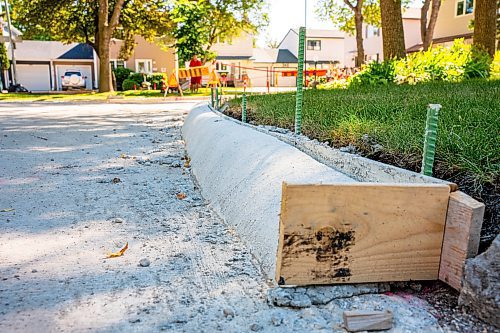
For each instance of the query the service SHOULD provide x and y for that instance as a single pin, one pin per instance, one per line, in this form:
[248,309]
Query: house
[238,59]
[148,57]
[372,38]
[41,64]
[452,23]
[323,47]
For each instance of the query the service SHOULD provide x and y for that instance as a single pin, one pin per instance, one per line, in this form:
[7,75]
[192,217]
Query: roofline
[286,36]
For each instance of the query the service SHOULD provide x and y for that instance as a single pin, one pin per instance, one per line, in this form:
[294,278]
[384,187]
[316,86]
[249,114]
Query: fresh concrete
[241,172]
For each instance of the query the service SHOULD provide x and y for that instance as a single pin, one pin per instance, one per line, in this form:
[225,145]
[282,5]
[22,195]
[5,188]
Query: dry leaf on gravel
[187,164]
[181,196]
[6,210]
[119,253]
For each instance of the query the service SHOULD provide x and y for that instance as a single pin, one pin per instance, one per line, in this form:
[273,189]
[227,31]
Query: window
[144,65]
[372,31]
[115,63]
[314,45]
[465,7]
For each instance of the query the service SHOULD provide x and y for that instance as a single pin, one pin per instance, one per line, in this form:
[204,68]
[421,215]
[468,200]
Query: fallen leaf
[6,210]
[181,196]
[123,156]
[187,164]
[119,253]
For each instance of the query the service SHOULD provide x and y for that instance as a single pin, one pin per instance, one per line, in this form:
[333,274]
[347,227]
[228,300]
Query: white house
[323,47]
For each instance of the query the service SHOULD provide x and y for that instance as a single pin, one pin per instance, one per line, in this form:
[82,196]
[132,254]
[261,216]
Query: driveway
[78,182]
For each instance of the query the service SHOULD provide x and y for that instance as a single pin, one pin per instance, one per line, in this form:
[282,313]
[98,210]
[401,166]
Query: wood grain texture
[461,237]
[357,321]
[360,232]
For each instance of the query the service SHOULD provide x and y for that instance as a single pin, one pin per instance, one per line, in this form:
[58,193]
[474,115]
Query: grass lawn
[468,144]
[94,96]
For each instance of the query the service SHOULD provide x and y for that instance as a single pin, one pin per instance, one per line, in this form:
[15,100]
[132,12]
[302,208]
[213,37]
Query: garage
[86,71]
[35,77]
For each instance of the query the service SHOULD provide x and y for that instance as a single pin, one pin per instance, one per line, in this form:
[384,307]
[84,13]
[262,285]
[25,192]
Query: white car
[73,79]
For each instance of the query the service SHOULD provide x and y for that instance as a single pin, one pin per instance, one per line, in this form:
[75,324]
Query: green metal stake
[216,98]
[300,83]
[430,139]
[212,96]
[244,111]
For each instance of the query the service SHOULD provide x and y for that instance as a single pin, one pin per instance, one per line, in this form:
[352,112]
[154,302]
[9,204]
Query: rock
[277,319]
[481,284]
[34,271]
[144,262]
[228,312]
[116,180]
[415,286]
[117,220]
[300,301]
[321,295]
[256,327]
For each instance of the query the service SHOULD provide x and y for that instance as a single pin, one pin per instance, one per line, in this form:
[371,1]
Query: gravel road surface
[80,181]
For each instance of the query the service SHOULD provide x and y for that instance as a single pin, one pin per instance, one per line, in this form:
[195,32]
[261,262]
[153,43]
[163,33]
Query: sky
[287,14]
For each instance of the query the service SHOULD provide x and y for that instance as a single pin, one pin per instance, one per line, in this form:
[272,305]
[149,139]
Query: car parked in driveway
[73,79]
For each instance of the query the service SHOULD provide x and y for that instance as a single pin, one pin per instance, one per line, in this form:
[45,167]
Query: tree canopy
[340,13]
[201,24]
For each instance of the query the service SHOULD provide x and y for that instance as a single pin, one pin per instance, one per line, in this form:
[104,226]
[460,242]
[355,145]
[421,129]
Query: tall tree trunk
[485,14]
[358,19]
[105,29]
[393,38]
[427,26]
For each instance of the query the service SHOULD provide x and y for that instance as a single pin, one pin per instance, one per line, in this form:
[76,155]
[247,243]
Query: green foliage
[375,73]
[129,84]
[495,66]
[4,59]
[76,21]
[202,23]
[342,15]
[456,63]
[334,84]
[394,117]
[121,74]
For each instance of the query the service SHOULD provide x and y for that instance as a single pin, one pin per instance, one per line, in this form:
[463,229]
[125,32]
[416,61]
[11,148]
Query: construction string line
[430,139]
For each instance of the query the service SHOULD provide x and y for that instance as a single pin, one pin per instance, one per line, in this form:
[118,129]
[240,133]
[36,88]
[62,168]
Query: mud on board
[362,232]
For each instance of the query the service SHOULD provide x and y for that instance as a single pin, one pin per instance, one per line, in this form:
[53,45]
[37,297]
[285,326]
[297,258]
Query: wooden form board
[360,232]
[461,237]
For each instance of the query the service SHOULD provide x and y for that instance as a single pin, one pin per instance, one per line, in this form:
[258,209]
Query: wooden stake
[461,237]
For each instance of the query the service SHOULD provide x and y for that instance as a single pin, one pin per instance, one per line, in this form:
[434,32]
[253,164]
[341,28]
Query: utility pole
[9,24]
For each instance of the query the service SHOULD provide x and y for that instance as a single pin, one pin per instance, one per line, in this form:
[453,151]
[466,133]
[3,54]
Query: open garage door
[86,70]
[34,77]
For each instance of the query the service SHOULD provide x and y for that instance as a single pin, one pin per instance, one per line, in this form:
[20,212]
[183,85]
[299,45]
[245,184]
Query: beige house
[452,23]
[147,57]
[372,38]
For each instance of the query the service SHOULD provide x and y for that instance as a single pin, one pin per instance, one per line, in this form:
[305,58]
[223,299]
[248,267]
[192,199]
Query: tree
[202,23]
[348,16]
[427,26]
[93,22]
[393,38]
[485,16]
[272,43]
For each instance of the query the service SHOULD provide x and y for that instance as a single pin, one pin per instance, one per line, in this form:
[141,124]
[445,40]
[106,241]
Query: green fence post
[300,83]
[244,108]
[430,139]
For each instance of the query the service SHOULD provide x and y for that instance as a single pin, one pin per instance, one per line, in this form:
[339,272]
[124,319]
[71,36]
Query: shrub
[129,84]
[121,74]
[451,64]
[334,84]
[495,66]
[375,73]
